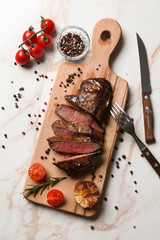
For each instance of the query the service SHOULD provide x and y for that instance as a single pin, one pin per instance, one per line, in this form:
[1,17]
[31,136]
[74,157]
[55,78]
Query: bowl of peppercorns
[73,43]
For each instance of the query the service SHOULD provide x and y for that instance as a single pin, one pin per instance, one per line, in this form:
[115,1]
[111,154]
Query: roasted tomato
[55,197]
[36,172]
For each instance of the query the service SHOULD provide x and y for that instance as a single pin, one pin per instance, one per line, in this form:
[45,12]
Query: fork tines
[119,114]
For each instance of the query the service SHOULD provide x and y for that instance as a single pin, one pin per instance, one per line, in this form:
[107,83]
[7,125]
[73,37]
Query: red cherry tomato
[36,172]
[36,51]
[22,57]
[44,40]
[55,197]
[50,25]
[28,34]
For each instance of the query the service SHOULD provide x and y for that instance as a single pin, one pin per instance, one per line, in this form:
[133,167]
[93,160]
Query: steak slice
[77,164]
[72,115]
[74,145]
[94,97]
[63,128]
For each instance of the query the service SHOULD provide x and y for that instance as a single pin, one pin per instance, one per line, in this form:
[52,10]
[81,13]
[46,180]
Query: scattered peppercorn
[134,227]
[121,139]
[15,63]
[136,191]
[45,157]
[5,135]
[29,115]
[135,182]
[119,159]
[131,172]
[78,75]
[92,227]
[37,79]
[100,176]
[42,157]
[35,72]
[124,156]
[97,69]
[116,207]
[2,108]
[46,77]
[112,175]
[37,128]
[48,151]
[39,123]
[39,115]
[54,159]
[105,199]
[57,105]
[55,98]
[129,163]
[38,62]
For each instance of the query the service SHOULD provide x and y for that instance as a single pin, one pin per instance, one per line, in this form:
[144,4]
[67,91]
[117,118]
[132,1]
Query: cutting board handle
[105,37]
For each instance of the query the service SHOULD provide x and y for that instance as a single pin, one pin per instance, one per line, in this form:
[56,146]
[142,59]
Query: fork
[126,123]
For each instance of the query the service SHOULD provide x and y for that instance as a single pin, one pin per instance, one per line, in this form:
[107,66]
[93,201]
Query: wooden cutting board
[106,35]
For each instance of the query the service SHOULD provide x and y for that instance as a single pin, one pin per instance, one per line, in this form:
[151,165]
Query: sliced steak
[94,97]
[72,115]
[63,128]
[77,164]
[74,145]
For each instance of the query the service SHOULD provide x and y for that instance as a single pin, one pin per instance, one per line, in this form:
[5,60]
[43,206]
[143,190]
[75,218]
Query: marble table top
[138,213]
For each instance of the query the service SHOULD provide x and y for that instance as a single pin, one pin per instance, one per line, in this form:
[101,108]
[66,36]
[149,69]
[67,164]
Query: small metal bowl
[75,31]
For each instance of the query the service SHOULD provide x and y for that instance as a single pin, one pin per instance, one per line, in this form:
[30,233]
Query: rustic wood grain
[101,52]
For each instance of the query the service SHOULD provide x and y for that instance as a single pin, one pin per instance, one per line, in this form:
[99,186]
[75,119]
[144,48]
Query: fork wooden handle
[151,159]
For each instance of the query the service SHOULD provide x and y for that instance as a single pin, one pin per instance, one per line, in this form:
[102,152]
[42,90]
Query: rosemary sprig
[34,189]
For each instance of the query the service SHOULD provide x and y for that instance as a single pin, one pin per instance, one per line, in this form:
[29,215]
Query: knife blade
[146,91]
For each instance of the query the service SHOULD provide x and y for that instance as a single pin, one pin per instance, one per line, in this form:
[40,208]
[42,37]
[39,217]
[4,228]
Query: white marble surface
[22,220]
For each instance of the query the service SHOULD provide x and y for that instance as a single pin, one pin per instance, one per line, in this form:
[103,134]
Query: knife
[146,91]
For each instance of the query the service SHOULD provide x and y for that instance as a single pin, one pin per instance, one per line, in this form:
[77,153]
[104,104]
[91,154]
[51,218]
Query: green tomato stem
[32,36]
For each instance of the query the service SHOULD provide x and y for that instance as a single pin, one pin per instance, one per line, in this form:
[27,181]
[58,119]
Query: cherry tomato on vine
[44,40]
[36,172]
[50,25]
[55,197]
[22,57]
[28,34]
[36,51]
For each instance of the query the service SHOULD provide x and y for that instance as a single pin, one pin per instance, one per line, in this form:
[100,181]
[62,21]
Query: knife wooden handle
[148,117]
[152,160]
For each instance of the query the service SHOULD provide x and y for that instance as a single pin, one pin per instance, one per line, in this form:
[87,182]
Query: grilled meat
[94,97]
[63,128]
[75,145]
[72,115]
[77,164]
